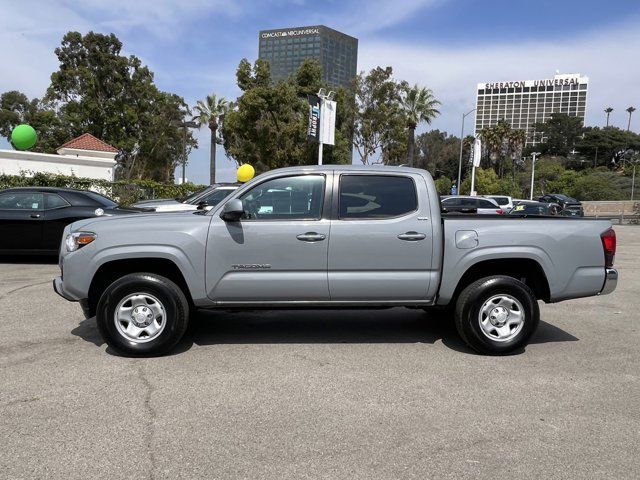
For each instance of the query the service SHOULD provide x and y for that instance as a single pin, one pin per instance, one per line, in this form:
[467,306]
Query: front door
[21,217]
[381,239]
[277,252]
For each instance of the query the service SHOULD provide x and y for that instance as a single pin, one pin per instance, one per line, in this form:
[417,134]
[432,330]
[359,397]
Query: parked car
[32,219]
[504,201]
[468,204]
[531,207]
[570,207]
[207,197]
[336,236]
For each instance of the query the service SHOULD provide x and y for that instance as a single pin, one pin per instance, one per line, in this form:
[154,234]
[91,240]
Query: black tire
[171,298]
[468,318]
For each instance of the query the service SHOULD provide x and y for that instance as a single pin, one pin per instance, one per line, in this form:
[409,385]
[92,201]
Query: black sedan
[32,219]
[533,208]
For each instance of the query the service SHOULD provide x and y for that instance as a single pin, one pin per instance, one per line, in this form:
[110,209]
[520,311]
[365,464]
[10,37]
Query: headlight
[76,240]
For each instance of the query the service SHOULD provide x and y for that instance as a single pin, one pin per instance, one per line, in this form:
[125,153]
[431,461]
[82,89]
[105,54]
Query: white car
[206,198]
[505,201]
[469,204]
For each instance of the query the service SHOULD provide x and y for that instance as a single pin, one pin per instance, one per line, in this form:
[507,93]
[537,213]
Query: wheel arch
[111,270]
[527,270]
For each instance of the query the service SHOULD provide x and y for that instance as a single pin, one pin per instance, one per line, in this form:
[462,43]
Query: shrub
[123,191]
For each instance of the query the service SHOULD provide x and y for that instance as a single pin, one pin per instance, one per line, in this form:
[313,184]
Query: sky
[194,46]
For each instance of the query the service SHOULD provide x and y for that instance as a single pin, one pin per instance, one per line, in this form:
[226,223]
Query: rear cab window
[376,196]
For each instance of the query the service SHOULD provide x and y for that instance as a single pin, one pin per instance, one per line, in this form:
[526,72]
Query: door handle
[412,236]
[311,237]
[35,215]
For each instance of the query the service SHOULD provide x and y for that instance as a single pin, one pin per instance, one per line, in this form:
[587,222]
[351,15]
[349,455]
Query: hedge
[124,192]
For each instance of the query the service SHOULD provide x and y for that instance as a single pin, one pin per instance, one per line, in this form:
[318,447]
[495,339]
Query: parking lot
[320,394]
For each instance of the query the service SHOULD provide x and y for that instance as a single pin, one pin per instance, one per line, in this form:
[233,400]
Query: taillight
[608,238]
[499,211]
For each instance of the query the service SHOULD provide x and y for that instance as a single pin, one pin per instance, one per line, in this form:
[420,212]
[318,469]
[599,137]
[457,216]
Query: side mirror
[202,205]
[232,210]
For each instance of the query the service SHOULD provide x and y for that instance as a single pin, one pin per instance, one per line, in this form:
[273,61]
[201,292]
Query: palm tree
[419,105]
[608,111]
[630,110]
[209,111]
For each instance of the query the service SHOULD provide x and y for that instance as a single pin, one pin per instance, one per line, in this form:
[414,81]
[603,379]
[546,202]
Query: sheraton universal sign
[290,33]
[549,82]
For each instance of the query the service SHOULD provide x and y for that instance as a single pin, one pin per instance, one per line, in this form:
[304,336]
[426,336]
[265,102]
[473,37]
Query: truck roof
[363,168]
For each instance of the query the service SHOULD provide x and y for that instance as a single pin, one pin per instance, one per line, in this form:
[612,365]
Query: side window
[485,204]
[216,197]
[51,201]
[376,196]
[451,202]
[21,201]
[287,198]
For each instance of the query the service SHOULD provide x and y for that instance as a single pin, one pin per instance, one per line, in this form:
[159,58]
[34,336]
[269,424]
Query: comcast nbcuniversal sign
[290,33]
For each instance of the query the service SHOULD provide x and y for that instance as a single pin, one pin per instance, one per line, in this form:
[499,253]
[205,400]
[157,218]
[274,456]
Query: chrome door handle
[311,237]
[412,236]
[35,215]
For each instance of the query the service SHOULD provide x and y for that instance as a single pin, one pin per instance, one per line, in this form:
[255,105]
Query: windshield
[102,200]
[192,197]
[500,200]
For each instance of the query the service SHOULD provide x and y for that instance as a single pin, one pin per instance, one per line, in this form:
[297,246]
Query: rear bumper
[610,281]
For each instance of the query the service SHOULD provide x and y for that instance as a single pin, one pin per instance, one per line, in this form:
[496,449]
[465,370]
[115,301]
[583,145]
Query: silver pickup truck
[330,236]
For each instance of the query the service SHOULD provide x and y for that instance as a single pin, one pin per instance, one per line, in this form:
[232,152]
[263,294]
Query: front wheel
[497,315]
[142,314]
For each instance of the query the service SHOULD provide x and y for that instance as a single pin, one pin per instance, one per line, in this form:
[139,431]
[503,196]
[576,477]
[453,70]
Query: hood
[122,221]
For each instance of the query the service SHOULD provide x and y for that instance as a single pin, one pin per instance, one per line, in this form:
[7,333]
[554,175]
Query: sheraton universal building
[523,103]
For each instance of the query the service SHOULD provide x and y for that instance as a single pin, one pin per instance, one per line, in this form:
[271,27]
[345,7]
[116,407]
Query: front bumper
[610,281]
[58,287]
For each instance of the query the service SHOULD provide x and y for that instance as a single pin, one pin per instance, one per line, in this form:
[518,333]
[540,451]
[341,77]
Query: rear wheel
[142,314]
[497,315]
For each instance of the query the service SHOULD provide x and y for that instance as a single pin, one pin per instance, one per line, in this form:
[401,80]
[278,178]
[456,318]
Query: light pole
[534,156]
[322,97]
[184,124]
[464,115]
[633,180]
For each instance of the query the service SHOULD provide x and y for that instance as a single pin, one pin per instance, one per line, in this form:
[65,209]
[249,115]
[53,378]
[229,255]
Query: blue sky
[194,46]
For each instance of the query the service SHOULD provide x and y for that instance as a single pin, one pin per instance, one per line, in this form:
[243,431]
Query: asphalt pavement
[356,394]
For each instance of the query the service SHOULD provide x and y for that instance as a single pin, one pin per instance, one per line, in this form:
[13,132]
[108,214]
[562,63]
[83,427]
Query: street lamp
[534,156]
[461,144]
[184,124]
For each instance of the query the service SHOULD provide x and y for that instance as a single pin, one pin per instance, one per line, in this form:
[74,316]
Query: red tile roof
[86,141]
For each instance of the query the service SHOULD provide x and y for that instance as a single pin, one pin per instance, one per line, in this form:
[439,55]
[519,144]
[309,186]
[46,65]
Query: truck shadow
[396,325]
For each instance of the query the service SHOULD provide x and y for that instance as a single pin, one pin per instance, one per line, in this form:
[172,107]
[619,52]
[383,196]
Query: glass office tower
[526,102]
[286,48]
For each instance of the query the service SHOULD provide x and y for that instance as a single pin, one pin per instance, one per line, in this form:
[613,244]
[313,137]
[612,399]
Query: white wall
[13,162]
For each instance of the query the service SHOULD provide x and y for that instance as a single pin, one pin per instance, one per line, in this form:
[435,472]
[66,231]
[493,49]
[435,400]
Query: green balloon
[23,137]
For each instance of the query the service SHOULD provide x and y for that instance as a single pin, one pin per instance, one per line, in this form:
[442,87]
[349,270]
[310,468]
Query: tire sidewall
[172,299]
[481,292]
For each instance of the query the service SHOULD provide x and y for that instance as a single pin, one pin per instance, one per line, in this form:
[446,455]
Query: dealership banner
[328,119]
[313,130]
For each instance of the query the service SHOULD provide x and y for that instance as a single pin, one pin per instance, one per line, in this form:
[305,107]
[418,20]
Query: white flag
[477,152]
[328,119]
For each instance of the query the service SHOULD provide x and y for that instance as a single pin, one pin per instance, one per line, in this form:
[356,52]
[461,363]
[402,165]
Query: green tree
[208,112]
[100,91]
[418,105]
[267,125]
[16,108]
[606,146]
[486,183]
[379,123]
[560,134]
[439,152]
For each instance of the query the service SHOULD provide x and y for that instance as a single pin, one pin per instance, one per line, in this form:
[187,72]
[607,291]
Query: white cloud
[605,56]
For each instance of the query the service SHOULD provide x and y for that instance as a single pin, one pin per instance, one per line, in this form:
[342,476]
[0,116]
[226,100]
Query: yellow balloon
[245,173]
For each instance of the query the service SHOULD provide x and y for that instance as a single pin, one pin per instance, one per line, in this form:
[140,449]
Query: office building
[286,48]
[524,103]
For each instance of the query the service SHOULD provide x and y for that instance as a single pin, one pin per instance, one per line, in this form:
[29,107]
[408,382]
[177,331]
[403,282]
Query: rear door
[21,215]
[381,242]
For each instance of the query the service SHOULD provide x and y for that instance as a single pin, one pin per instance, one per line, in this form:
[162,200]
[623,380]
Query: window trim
[24,209]
[306,219]
[336,201]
